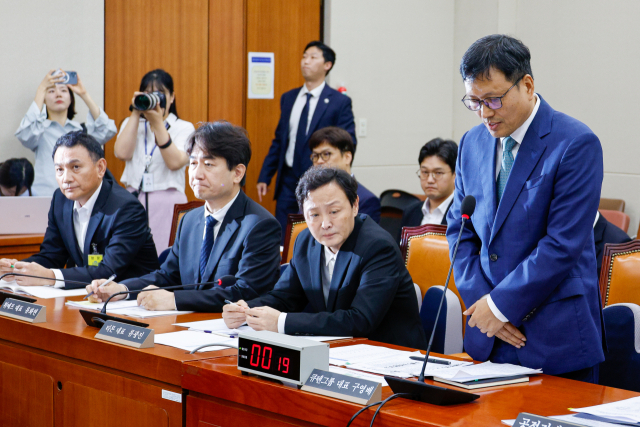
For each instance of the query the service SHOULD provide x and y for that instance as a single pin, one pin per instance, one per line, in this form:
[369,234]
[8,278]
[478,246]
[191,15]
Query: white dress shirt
[39,134]
[296,111]
[218,215]
[81,217]
[518,136]
[435,216]
[327,274]
[163,177]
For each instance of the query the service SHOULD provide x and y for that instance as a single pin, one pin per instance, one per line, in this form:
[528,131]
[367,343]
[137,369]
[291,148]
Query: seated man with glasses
[333,147]
[437,175]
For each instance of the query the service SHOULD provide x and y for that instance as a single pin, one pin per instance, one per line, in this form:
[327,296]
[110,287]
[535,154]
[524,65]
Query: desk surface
[544,395]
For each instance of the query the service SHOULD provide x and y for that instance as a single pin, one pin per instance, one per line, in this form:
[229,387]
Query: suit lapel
[342,263]
[69,233]
[193,242]
[444,218]
[316,257]
[527,158]
[321,107]
[227,230]
[96,215]
[487,148]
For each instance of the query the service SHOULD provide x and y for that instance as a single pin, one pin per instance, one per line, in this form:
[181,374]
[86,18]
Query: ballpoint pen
[104,284]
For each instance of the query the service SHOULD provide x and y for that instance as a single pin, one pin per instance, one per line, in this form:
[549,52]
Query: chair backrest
[448,336]
[178,212]
[391,220]
[295,225]
[612,204]
[425,251]
[397,199]
[617,218]
[620,275]
[621,367]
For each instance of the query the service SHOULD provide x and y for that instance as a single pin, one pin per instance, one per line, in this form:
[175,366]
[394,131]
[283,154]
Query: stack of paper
[124,308]
[484,371]
[190,340]
[41,291]
[623,411]
[386,361]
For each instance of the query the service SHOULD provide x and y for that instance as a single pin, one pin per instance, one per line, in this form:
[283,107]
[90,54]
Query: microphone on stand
[98,319]
[4,295]
[418,389]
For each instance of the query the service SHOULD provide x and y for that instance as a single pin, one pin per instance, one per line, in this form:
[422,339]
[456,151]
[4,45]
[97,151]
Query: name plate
[21,310]
[125,334]
[343,387]
[530,420]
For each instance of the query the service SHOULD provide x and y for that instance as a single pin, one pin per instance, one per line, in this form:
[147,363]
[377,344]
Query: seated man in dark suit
[346,271]
[604,232]
[96,228]
[333,147]
[231,235]
[437,175]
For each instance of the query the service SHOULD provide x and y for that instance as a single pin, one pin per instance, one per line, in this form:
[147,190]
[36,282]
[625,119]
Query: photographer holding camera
[152,142]
[50,116]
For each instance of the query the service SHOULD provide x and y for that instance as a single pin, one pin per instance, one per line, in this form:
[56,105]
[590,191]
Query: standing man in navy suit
[332,147]
[96,228]
[437,175]
[231,235]
[526,266]
[302,111]
[346,277]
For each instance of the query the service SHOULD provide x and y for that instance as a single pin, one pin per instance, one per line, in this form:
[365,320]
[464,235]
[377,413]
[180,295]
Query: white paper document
[215,326]
[386,361]
[41,291]
[190,340]
[124,308]
[484,371]
[627,411]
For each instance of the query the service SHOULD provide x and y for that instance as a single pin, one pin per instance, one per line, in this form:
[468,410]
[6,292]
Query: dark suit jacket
[369,203]
[412,216]
[372,294]
[247,247]
[333,109]
[605,232]
[533,252]
[118,227]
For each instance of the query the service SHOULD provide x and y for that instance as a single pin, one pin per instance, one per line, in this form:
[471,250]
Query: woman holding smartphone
[152,142]
[49,117]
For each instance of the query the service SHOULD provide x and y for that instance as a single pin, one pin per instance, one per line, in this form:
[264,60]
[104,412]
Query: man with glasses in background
[437,175]
[526,267]
[333,147]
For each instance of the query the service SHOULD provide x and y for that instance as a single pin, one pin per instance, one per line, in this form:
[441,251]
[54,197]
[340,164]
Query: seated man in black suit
[604,232]
[96,228]
[437,175]
[346,274]
[230,236]
[333,147]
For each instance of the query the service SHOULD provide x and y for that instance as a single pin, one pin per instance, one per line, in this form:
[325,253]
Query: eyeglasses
[437,176]
[493,103]
[326,155]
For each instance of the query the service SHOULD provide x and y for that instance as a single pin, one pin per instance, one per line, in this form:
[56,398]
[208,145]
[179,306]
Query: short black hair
[17,173]
[498,51]
[327,53]
[318,176]
[224,140]
[334,136]
[158,80]
[79,137]
[445,149]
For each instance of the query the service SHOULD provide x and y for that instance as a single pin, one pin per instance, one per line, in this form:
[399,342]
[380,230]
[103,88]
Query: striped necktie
[207,245]
[507,164]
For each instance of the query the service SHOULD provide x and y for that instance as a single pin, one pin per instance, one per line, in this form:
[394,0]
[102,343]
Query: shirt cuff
[60,282]
[495,310]
[35,115]
[281,319]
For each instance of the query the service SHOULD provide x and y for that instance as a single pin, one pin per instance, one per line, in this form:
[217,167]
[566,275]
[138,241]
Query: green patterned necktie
[507,164]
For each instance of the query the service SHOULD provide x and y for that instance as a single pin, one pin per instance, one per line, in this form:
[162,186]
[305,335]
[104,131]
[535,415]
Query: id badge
[147,182]
[95,259]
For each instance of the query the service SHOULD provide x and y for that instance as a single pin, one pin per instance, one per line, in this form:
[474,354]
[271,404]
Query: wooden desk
[219,395]
[19,246]
[57,373]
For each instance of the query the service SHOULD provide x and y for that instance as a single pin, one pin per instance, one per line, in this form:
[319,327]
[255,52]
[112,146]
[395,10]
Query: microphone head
[468,206]
[226,281]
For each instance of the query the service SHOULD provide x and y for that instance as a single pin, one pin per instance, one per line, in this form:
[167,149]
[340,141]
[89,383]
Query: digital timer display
[269,359]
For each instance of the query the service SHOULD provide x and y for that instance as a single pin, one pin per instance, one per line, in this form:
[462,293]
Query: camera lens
[148,101]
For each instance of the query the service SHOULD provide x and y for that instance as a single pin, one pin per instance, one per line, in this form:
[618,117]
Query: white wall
[397,57]
[36,36]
